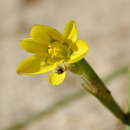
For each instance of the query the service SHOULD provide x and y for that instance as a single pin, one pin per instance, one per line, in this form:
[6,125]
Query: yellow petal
[80,53]
[34,65]
[43,33]
[56,79]
[32,46]
[70,31]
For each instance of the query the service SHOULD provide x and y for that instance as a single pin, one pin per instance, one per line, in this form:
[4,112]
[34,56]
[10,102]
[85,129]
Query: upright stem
[96,87]
[61,103]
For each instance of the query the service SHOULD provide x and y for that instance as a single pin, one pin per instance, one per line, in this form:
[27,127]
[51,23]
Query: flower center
[52,50]
[58,51]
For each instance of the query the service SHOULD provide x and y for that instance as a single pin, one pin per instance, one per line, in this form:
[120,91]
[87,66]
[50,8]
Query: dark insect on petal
[60,70]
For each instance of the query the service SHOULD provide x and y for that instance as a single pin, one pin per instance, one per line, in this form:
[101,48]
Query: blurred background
[104,24]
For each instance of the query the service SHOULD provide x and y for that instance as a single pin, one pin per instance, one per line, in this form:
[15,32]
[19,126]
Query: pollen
[53,50]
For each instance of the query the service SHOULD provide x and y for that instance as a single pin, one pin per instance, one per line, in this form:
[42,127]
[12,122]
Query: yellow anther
[53,50]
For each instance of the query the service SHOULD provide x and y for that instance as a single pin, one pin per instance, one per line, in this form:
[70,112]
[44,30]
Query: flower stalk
[65,101]
[93,84]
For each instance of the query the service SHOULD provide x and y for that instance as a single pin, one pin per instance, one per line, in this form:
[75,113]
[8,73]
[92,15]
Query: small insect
[60,70]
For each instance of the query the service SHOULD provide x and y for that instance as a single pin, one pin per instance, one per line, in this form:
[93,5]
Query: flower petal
[56,79]
[34,65]
[43,33]
[79,54]
[70,31]
[32,46]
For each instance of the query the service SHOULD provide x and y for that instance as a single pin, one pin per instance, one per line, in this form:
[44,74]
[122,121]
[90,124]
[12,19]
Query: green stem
[61,103]
[96,87]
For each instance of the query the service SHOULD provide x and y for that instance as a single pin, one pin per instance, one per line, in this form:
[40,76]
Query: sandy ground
[104,24]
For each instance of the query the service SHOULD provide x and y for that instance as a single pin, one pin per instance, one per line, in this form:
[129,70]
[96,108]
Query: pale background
[104,24]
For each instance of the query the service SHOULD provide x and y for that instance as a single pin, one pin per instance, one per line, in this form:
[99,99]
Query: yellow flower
[51,51]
